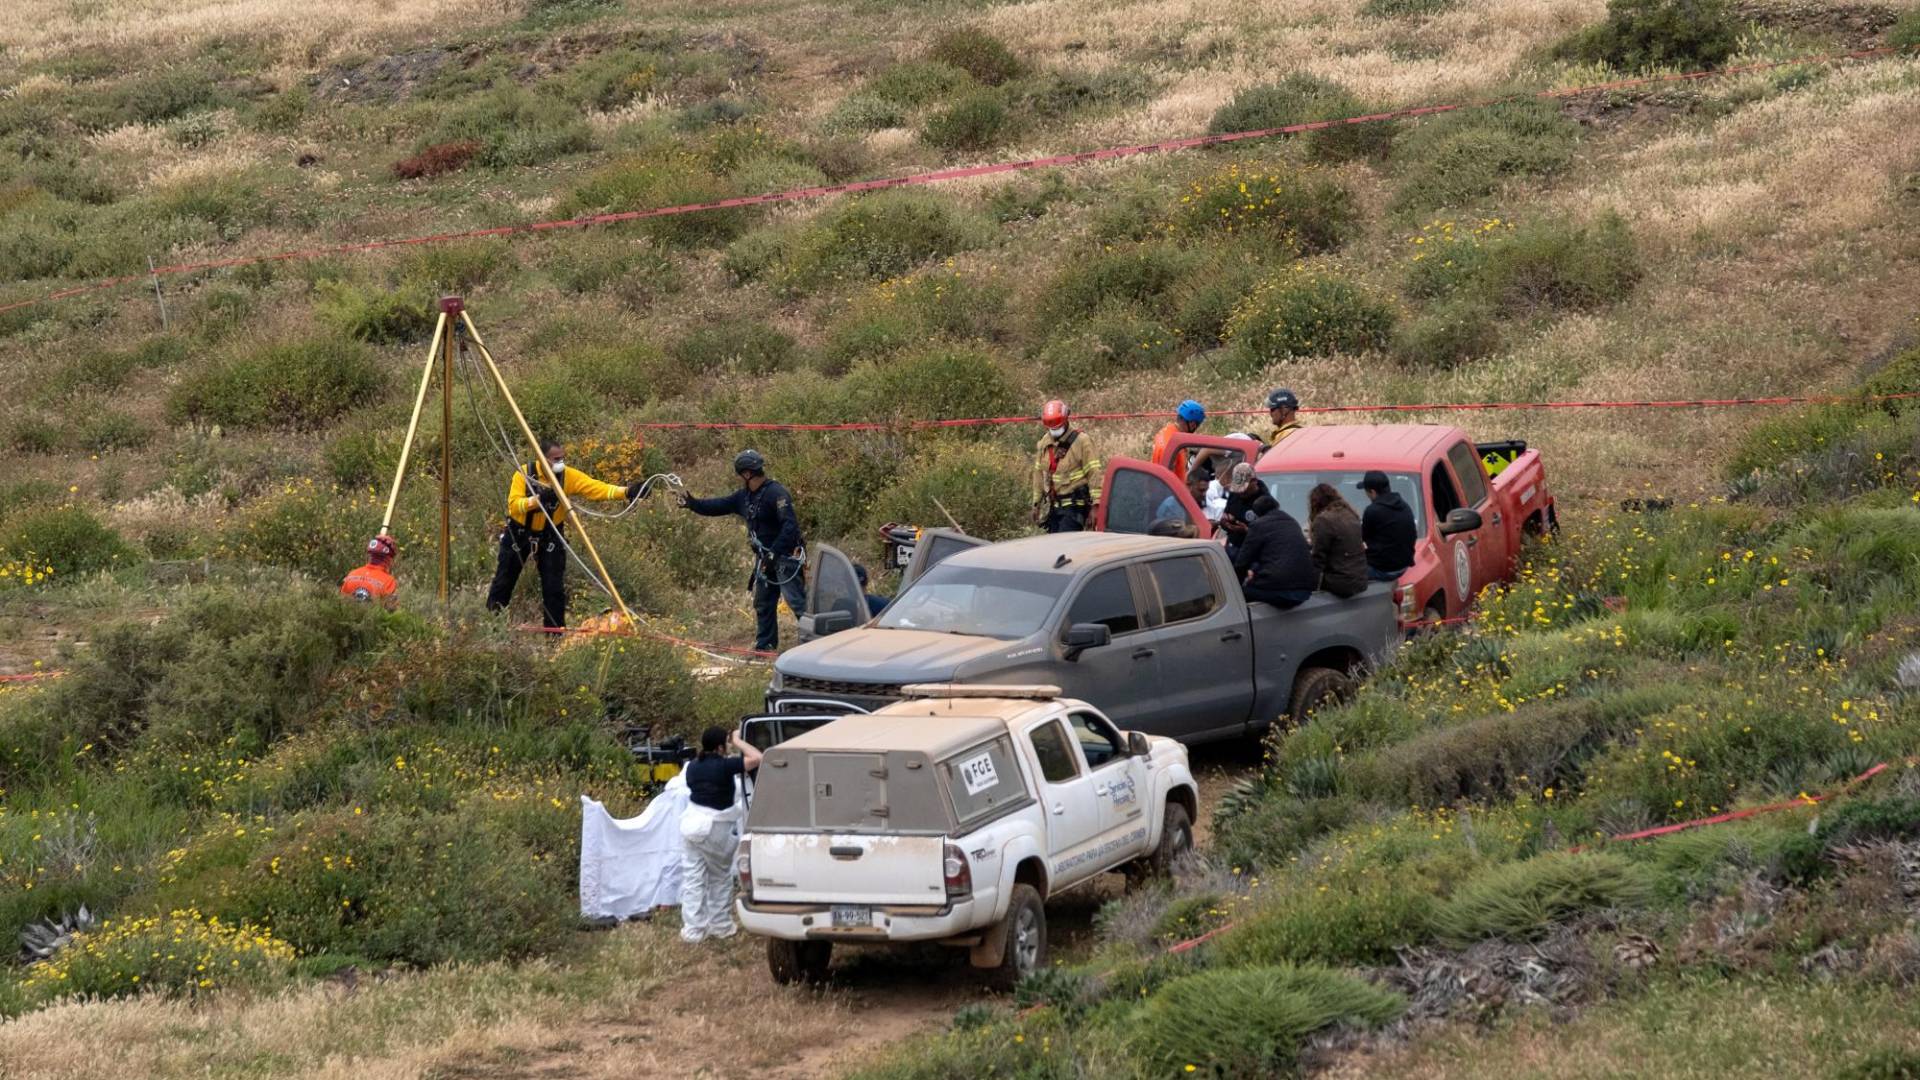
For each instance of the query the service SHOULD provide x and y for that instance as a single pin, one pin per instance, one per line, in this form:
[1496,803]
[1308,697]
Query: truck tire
[1176,839]
[798,961]
[1026,934]
[1314,687]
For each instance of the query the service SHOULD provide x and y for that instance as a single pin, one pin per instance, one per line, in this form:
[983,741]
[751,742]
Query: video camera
[664,759]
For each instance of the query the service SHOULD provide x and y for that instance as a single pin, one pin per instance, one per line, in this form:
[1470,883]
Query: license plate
[852,915]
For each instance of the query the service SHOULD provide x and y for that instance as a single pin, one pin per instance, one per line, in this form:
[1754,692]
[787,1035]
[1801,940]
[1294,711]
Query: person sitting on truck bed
[1274,562]
[1334,532]
[1243,490]
[1386,528]
[709,833]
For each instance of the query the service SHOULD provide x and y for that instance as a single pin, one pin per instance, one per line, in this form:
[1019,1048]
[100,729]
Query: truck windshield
[1006,604]
[1289,489]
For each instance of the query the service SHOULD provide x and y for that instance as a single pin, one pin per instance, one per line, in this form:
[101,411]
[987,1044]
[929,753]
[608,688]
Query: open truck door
[835,600]
[1136,494]
[932,548]
[1221,453]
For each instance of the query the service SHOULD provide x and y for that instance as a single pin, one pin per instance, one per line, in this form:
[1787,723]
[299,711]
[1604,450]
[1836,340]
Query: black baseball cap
[1282,399]
[1375,480]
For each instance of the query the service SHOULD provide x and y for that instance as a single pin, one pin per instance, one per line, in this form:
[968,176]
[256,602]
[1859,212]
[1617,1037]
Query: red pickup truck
[1472,502]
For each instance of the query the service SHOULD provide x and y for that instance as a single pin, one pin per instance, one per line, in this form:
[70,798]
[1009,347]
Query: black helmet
[749,461]
[1282,399]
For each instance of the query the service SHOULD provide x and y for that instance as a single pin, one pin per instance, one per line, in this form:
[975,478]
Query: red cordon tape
[731,650]
[935,177]
[1441,406]
[31,676]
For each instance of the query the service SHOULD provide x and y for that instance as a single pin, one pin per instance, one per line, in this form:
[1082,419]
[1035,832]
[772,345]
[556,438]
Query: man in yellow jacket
[1067,471]
[535,522]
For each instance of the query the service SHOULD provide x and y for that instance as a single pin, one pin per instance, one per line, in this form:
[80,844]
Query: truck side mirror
[1137,744]
[1459,521]
[822,623]
[1086,635]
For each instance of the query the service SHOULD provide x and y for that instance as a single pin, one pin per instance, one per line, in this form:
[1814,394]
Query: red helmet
[1053,413]
[380,547]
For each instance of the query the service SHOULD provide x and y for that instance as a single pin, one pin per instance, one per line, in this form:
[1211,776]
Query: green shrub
[458,267]
[636,682]
[1449,334]
[1203,302]
[637,272]
[1639,34]
[1455,159]
[1274,827]
[363,457]
[987,495]
[1776,440]
[1394,9]
[1358,923]
[1250,1021]
[110,429]
[1300,210]
[1526,899]
[1491,756]
[376,315]
[35,433]
[1905,31]
[750,346]
[976,52]
[1308,311]
[633,373]
[860,112]
[302,386]
[974,122]
[157,96]
[1116,339]
[183,953]
[1053,95]
[914,83]
[875,236]
[1552,264]
[939,383]
[515,127]
[1299,98]
[1142,275]
[67,538]
[648,181]
[557,406]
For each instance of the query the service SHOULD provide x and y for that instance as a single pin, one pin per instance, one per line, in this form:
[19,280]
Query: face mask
[1056,432]
[557,465]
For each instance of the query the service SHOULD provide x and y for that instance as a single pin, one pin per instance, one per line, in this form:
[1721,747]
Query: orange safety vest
[1178,466]
[368,582]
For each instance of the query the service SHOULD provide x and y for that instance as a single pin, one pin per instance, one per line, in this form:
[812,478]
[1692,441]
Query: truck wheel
[798,961]
[1314,687]
[1176,839]
[1026,930]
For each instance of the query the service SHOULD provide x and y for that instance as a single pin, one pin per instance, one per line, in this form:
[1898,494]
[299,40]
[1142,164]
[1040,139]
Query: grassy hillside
[185,489]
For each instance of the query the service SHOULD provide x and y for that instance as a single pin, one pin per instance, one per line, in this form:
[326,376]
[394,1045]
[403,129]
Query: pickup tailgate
[848,868]
[1522,485]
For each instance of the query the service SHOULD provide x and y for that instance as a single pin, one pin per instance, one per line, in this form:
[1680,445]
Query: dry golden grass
[304,31]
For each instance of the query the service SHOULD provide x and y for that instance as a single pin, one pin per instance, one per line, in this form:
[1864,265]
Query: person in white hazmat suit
[710,834]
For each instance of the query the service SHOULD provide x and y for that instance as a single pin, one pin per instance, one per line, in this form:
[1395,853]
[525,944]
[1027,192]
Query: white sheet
[630,867]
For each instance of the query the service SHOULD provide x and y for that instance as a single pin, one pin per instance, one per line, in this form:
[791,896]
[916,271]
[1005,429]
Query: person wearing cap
[1219,465]
[1186,420]
[532,506]
[1066,473]
[1386,528]
[1274,562]
[1244,489]
[773,532]
[374,581]
[1283,408]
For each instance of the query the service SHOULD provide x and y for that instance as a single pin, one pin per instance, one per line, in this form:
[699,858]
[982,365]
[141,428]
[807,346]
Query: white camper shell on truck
[951,817]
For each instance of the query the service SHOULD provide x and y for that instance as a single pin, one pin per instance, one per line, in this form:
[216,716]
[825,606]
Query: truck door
[1489,550]
[1137,494]
[932,547]
[1123,676]
[835,600]
[1455,555]
[1206,649]
[1120,780]
[1066,794]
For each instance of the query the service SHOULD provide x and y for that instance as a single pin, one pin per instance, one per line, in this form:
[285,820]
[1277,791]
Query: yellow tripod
[449,331]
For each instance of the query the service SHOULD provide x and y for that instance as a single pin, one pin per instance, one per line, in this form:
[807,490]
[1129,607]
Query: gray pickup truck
[1153,631]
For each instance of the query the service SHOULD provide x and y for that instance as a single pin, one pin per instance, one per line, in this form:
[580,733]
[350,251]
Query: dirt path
[721,1017]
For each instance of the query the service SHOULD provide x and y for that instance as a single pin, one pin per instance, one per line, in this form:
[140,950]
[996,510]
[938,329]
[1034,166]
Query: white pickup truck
[951,817]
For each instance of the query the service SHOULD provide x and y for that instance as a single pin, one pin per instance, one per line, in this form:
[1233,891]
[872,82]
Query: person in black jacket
[1274,563]
[1243,490]
[779,560]
[1386,528]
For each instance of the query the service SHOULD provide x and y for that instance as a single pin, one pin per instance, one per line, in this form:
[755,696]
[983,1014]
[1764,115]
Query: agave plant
[42,939]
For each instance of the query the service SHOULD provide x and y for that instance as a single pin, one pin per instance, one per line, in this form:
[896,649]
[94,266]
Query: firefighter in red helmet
[1066,473]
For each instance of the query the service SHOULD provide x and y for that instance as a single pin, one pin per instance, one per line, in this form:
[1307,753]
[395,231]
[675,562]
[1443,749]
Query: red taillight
[744,863]
[959,875]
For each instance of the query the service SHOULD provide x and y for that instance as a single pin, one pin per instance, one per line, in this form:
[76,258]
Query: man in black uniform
[1386,528]
[779,560]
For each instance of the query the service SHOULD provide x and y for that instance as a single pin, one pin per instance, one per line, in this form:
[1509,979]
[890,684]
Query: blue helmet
[1191,411]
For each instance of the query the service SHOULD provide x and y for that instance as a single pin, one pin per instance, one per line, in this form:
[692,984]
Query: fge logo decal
[1122,791]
